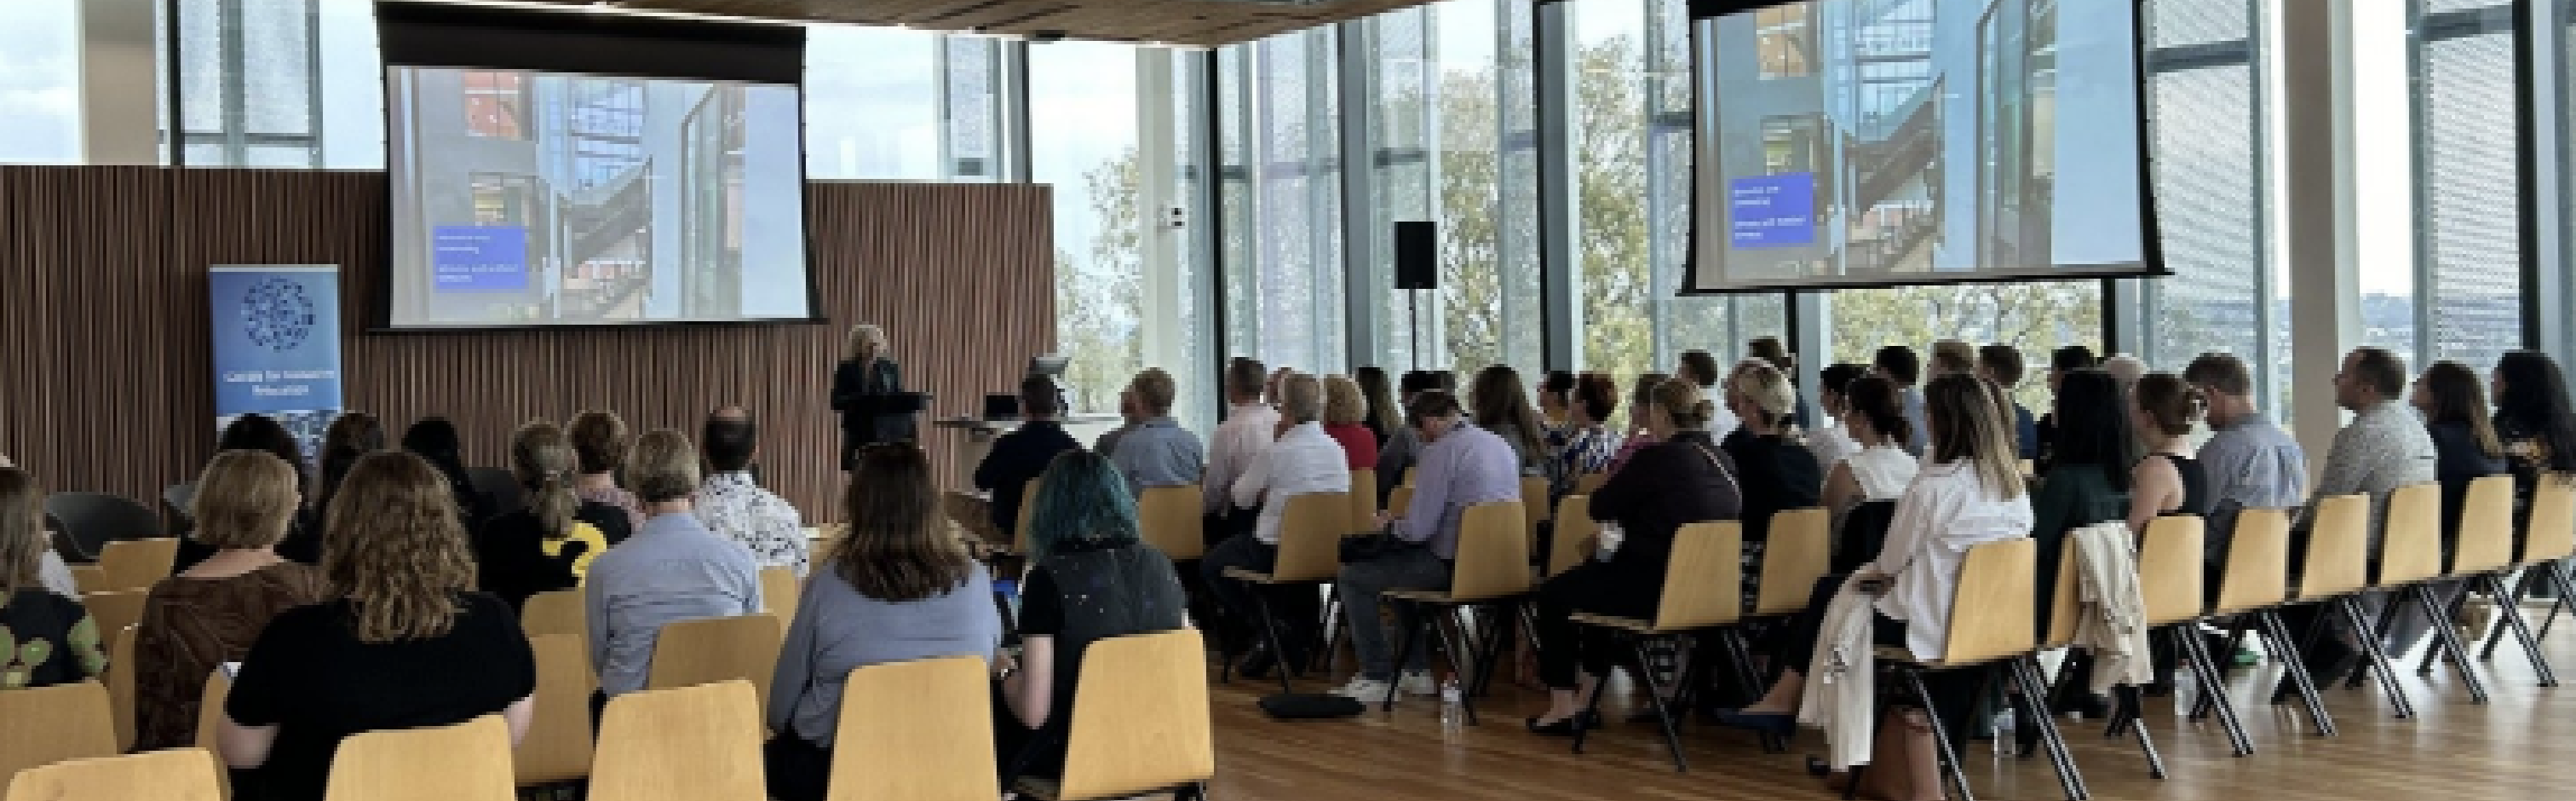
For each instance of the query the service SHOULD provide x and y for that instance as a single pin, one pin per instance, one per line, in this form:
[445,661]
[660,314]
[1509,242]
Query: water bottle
[1453,707]
[2007,733]
[2186,692]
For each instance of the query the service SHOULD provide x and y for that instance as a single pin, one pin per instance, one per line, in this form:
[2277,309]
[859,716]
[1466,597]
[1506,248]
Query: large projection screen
[1856,143]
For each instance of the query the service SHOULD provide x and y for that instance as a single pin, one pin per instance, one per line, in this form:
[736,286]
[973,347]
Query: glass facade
[1279,124]
[2468,248]
[2204,97]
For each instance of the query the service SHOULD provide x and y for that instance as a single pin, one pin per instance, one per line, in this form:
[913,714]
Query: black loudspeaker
[1417,255]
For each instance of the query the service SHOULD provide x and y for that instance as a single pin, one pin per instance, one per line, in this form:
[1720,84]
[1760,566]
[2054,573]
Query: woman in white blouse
[1879,468]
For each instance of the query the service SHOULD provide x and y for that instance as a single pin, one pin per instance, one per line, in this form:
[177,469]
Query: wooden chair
[1311,531]
[1399,500]
[45,725]
[556,612]
[1589,483]
[469,761]
[1703,589]
[1800,551]
[2548,539]
[120,684]
[1140,722]
[1028,506]
[1363,499]
[1491,570]
[909,732]
[219,688]
[116,610]
[136,564]
[697,743]
[778,591]
[1535,502]
[2481,556]
[556,748]
[2334,571]
[1575,531]
[185,774]
[708,650]
[2170,588]
[2410,560]
[2065,611]
[2254,583]
[1170,520]
[89,578]
[1994,625]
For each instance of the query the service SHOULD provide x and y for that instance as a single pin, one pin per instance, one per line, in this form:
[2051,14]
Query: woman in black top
[866,373]
[259,432]
[2168,481]
[2465,445]
[1777,470]
[406,645]
[436,440]
[1093,578]
[1681,479]
[2534,420]
[45,639]
[548,544]
[2088,480]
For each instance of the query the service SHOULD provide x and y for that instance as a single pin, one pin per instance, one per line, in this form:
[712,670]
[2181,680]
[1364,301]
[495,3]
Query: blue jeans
[1360,586]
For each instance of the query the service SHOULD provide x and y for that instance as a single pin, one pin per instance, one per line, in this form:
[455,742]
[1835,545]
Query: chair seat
[1041,789]
[1897,655]
[1622,623]
[1443,597]
[1247,574]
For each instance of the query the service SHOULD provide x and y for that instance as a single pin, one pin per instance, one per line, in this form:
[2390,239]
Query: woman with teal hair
[1091,577]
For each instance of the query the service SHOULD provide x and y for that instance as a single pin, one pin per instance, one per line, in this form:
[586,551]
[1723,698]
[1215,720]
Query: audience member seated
[2168,481]
[1090,578]
[1879,468]
[1589,442]
[673,569]
[209,614]
[259,432]
[1022,455]
[1682,479]
[1404,446]
[1501,407]
[1969,494]
[52,572]
[2250,461]
[1953,356]
[732,502]
[351,436]
[1462,465]
[2061,362]
[1156,451]
[1555,390]
[1303,460]
[1899,365]
[2087,483]
[899,587]
[599,441]
[1639,437]
[549,543]
[1344,413]
[407,644]
[1771,351]
[436,440]
[1771,460]
[2465,446]
[2002,365]
[1701,370]
[2534,421]
[55,641]
[1832,442]
[1249,427]
[2385,447]
[1384,417]
[2125,371]
[1128,418]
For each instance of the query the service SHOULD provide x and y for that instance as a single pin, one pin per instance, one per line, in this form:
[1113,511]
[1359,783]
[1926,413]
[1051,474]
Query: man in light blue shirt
[1156,451]
[1461,466]
[674,568]
[2251,462]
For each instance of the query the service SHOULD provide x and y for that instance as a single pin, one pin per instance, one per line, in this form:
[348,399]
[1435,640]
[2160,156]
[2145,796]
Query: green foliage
[1099,300]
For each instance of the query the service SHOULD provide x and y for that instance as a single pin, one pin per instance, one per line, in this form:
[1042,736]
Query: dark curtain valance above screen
[574,41]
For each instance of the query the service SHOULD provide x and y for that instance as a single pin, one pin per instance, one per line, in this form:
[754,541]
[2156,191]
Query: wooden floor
[2520,746]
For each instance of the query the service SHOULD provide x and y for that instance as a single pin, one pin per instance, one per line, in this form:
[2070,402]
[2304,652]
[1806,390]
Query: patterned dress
[47,639]
[192,625]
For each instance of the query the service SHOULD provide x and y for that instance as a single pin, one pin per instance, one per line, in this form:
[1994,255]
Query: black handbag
[1372,547]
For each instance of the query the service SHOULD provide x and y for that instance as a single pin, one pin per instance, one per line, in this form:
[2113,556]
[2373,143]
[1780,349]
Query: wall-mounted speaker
[1417,255]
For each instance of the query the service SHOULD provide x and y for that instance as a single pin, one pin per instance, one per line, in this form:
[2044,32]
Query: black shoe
[1564,727]
[1759,723]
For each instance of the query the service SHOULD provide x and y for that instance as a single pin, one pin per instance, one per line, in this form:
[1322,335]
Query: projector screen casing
[1711,233]
[445,36]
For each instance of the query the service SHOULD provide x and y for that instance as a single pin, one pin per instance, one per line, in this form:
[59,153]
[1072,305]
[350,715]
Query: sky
[40,81]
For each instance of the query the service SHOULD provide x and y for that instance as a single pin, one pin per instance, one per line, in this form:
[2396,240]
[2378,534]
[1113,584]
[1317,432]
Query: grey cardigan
[837,629]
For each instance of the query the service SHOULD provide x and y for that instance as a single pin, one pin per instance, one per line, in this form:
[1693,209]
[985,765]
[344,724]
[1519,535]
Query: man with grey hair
[1301,459]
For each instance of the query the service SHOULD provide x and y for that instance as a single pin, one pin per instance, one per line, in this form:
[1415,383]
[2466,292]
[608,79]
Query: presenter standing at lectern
[864,376]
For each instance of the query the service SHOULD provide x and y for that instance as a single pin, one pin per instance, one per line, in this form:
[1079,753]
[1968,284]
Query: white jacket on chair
[1840,696]
[2112,613]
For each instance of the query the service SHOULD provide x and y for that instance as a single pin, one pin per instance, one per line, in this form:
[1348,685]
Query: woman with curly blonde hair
[405,642]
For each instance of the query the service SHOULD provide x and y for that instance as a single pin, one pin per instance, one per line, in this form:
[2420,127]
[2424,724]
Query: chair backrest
[2170,569]
[912,731]
[2551,530]
[1990,615]
[1363,499]
[1800,549]
[1493,558]
[1310,536]
[469,761]
[179,497]
[778,588]
[555,612]
[712,649]
[45,725]
[2410,536]
[1140,717]
[184,774]
[697,743]
[120,684]
[557,745]
[1703,584]
[1589,483]
[136,564]
[210,707]
[2338,548]
[1534,503]
[1400,500]
[2486,528]
[1575,531]
[498,488]
[1170,520]
[2257,572]
[94,519]
[1028,506]
[2064,606]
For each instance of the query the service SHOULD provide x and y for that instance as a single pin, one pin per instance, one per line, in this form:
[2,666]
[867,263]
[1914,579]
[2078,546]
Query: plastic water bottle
[2007,731]
[1453,707]
[2186,692]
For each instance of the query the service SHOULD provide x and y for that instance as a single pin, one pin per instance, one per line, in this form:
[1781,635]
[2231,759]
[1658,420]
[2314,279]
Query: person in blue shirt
[2002,364]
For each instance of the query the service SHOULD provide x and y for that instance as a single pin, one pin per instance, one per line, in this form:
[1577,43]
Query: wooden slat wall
[106,381]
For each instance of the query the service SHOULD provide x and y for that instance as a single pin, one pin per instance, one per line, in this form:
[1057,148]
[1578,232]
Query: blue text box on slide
[1773,211]
[479,258]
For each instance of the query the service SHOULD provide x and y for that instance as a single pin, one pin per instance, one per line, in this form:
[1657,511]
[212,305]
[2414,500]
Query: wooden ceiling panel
[1200,23]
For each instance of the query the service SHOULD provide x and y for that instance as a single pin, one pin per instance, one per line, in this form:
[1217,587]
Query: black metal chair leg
[1951,767]
[2507,603]
[2298,672]
[1740,660]
[2134,703]
[2556,571]
[1414,634]
[1270,632]
[2512,621]
[2375,657]
[2447,638]
[1329,631]
[1466,659]
[2025,674]
[2388,609]
[2213,688]
[1663,712]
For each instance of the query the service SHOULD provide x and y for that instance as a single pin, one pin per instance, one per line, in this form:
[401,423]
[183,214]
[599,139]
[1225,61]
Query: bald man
[731,502]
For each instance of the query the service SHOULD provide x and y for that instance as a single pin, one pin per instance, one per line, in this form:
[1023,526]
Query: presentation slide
[1846,143]
[526,198]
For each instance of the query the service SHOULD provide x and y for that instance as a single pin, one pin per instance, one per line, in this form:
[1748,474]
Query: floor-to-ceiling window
[40,83]
[1614,226]
[895,103]
[1084,96]
[1280,124]
[2206,128]
[2468,245]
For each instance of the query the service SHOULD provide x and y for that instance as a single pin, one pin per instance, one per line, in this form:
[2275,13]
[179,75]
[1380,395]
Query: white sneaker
[1363,689]
[1419,682]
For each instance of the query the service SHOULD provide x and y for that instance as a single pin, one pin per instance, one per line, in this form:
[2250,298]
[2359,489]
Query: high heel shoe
[1758,722]
[1565,726]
